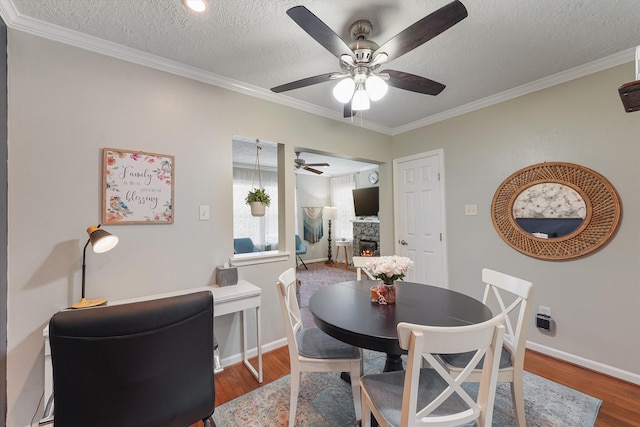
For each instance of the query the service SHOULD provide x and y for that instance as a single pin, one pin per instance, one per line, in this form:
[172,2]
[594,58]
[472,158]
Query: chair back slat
[500,286]
[360,263]
[290,310]
[422,343]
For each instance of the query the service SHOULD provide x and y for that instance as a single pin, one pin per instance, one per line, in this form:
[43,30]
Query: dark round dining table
[345,312]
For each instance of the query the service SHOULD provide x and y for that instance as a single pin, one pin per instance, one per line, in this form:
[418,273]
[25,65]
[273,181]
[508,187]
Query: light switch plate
[471,209]
[204,213]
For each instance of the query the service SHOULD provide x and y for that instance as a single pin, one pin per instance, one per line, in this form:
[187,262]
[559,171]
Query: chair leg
[517,395]
[366,414]
[302,261]
[356,373]
[293,401]
[208,422]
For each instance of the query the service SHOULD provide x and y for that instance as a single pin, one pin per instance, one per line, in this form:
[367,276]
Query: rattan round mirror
[532,210]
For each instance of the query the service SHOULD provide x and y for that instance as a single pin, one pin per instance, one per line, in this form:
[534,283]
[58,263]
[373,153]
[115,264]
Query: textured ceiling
[504,47]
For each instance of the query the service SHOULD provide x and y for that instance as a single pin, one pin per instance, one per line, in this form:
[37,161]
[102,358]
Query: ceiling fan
[301,164]
[360,60]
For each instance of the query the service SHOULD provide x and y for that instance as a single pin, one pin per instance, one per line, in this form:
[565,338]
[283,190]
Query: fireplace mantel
[374,220]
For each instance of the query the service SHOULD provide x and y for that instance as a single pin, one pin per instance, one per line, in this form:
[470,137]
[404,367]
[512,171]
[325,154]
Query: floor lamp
[330,214]
[101,241]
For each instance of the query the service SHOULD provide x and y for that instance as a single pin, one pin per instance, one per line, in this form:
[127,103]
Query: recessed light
[196,5]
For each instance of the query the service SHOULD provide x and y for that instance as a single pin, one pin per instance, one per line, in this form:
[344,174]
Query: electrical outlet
[204,213]
[544,310]
[471,209]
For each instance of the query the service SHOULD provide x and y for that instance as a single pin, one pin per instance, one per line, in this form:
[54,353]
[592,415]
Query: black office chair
[141,364]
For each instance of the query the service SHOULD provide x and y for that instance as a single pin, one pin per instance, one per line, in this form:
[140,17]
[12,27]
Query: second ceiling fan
[301,164]
[361,59]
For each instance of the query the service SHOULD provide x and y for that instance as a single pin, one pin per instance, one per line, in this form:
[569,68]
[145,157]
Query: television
[365,201]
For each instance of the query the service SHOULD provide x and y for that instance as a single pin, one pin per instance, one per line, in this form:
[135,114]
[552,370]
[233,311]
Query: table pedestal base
[393,363]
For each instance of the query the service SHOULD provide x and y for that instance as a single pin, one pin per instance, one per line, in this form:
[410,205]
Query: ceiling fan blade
[319,164]
[312,170]
[319,31]
[303,83]
[423,30]
[413,83]
[348,112]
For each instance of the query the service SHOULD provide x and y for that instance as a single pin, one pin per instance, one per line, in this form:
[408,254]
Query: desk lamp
[101,241]
[330,214]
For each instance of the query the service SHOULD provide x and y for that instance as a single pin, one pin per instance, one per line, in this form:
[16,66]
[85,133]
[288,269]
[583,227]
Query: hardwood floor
[620,400]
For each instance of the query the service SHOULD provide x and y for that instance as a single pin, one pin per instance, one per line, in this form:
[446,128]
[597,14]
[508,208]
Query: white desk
[226,300]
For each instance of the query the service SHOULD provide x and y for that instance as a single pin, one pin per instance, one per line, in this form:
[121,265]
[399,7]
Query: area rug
[317,276]
[325,401]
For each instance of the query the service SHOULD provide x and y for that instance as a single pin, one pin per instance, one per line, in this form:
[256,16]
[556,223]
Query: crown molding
[83,41]
[546,82]
[94,44]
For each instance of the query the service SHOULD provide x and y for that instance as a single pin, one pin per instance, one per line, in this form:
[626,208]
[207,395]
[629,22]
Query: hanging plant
[258,195]
[258,198]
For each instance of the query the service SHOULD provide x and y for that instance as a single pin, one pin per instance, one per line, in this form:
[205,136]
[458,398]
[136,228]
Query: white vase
[257,208]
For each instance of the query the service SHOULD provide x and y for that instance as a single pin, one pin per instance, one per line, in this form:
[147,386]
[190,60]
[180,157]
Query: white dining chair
[499,288]
[360,263]
[433,396]
[311,350]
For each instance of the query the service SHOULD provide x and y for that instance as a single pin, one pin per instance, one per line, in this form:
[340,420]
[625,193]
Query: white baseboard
[237,358]
[586,363]
[549,351]
[311,261]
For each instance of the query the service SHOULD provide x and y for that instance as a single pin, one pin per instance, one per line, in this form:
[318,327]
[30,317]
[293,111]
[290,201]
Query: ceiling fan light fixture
[360,99]
[376,87]
[343,91]
[196,5]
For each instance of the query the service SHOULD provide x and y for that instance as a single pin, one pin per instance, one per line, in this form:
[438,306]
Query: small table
[346,244]
[345,312]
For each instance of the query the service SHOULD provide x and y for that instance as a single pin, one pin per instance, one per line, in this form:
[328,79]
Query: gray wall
[66,105]
[593,299]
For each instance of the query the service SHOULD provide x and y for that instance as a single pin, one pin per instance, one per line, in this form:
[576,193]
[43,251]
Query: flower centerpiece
[388,269]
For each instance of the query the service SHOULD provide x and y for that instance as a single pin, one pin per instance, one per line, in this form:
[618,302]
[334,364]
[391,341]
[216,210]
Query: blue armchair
[243,245]
[301,248]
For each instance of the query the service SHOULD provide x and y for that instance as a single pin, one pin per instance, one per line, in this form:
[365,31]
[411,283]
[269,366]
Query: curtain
[342,198]
[262,230]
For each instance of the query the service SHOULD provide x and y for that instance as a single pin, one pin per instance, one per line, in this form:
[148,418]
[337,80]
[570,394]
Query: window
[342,198]
[263,231]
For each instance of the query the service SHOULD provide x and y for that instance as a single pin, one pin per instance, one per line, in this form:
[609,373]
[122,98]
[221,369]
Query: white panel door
[419,216]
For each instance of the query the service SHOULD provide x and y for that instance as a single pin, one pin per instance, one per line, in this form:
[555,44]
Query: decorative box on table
[226,276]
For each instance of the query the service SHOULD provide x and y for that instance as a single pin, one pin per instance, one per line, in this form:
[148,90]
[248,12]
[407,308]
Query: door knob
[403,242]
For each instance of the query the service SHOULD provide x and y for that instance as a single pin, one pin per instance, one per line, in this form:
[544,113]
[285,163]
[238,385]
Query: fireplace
[366,238]
[368,247]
